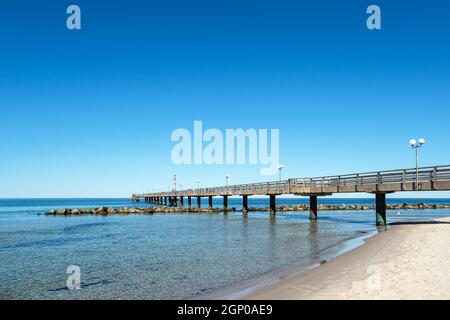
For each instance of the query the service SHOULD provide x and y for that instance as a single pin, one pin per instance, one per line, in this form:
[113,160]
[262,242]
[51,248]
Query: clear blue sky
[89,113]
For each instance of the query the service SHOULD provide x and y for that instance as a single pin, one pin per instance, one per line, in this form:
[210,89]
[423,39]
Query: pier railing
[272,187]
[379,183]
[426,179]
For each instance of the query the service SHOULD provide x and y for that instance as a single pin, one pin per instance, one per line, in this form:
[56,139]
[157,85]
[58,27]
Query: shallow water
[165,256]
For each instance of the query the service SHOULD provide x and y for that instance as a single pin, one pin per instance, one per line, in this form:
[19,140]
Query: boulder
[75,211]
[102,209]
[422,205]
[148,210]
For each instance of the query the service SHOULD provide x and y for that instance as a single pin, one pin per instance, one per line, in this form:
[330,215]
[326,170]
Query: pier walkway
[378,183]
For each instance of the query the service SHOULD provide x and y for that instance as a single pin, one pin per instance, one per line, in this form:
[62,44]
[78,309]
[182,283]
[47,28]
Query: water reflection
[313,235]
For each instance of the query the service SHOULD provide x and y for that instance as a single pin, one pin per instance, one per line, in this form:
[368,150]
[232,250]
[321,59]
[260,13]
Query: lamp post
[416,144]
[198,185]
[280,167]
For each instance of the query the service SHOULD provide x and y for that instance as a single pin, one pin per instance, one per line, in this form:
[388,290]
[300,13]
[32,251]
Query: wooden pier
[378,183]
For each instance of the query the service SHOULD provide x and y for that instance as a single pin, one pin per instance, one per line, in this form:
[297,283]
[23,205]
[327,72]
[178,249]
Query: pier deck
[380,183]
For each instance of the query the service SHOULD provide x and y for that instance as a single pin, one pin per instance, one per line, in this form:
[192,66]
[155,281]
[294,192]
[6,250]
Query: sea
[176,256]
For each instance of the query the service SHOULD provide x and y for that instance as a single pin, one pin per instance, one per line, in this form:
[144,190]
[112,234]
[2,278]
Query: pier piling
[225,203]
[245,204]
[210,202]
[380,209]
[313,207]
[273,206]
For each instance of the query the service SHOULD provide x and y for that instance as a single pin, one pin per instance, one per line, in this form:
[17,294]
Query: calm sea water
[165,256]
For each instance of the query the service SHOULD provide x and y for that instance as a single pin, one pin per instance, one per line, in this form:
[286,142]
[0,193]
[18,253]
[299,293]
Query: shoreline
[244,288]
[410,260]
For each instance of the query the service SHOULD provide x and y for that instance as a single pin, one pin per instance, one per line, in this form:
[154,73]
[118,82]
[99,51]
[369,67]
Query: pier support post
[313,207]
[181,201]
[199,201]
[160,200]
[165,201]
[380,209]
[225,203]
[273,206]
[245,204]
[189,202]
[210,204]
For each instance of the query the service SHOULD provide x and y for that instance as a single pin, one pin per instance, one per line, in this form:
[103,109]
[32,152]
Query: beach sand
[411,260]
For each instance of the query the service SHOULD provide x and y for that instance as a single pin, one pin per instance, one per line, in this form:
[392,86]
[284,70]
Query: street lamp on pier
[280,167]
[417,144]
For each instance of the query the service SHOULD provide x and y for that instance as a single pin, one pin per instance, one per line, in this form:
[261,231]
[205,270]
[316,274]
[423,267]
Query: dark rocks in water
[101,210]
[104,211]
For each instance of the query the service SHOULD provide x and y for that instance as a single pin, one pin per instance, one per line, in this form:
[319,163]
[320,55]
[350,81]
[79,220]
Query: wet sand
[411,260]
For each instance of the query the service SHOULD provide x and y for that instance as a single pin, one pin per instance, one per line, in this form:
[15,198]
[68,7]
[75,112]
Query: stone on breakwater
[283,208]
[124,211]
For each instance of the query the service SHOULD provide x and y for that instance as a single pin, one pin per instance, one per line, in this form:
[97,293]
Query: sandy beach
[411,260]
